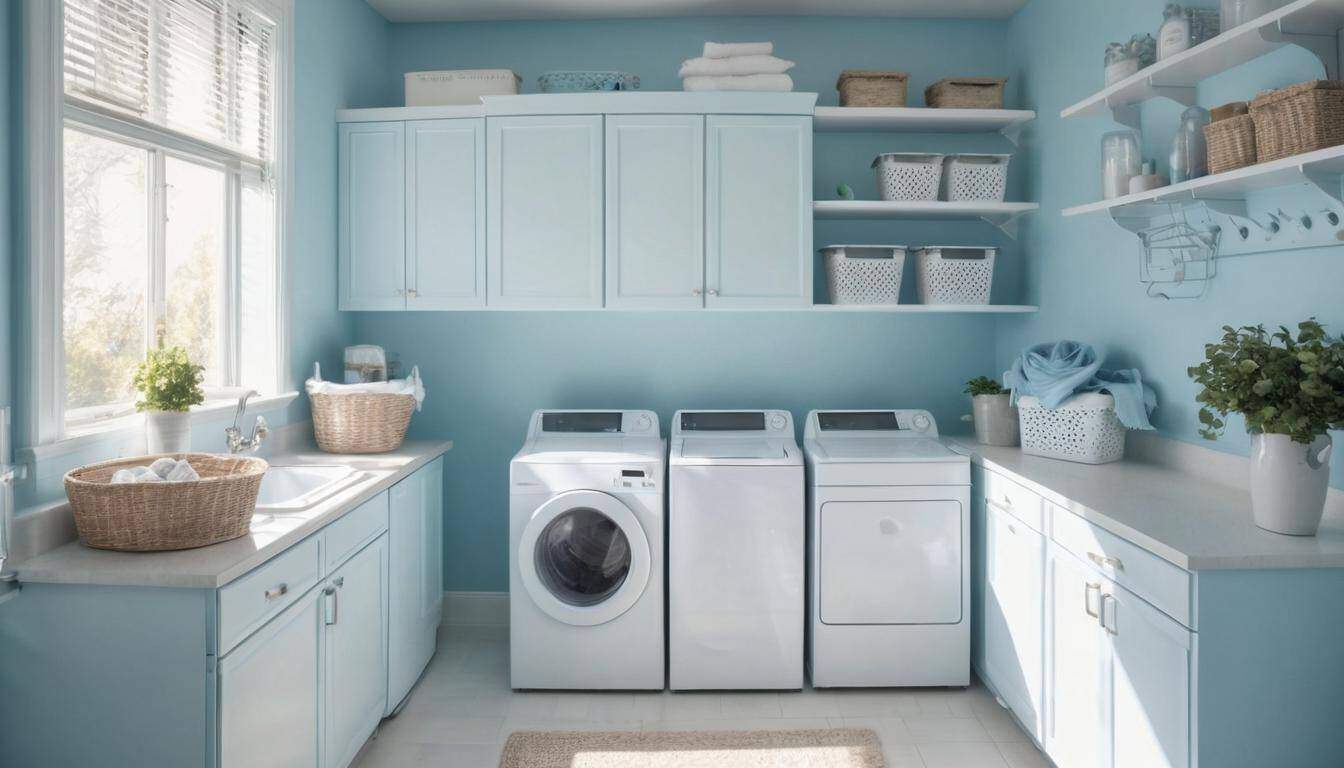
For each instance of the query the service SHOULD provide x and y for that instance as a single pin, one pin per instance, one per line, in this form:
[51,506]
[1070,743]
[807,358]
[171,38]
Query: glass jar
[1120,162]
[1234,13]
[1121,62]
[1189,151]
[1174,35]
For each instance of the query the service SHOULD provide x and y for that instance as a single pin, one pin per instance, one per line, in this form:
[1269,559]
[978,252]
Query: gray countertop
[1186,504]
[217,565]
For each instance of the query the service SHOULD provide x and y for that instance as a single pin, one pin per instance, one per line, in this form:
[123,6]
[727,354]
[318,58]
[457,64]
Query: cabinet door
[415,583]
[544,231]
[1150,680]
[655,210]
[1078,735]
[445,225]
[758,213]
[1013,617]
[268,692]
[372,216]
[355,615]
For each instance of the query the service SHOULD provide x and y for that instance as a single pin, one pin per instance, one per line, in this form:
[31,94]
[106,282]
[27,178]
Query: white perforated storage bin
[458,86]
[1083,428]
[954,275]
[908,176]
[864,274]
[975,177]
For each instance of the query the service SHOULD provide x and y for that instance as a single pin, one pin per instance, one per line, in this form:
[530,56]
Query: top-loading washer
[888,564]
[586,501]
[736,537]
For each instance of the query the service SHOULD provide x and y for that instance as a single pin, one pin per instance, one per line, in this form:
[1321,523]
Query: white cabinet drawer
[1147,575]
[1015,499]
[348,535]
[249,602]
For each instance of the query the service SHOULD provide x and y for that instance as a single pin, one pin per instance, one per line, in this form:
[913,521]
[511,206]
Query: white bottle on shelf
[1174,35]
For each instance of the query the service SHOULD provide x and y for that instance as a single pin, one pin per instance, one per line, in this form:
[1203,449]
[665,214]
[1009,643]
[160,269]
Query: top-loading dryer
[736,535]
[888,564]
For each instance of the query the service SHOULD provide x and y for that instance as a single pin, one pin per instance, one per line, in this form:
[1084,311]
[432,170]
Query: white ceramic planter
[168,431]
[995,420]
[1289,482]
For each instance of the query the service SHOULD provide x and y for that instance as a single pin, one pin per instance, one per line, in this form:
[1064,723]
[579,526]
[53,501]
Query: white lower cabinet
[354,616]
[415,606]
[1077,734]
[1013,614]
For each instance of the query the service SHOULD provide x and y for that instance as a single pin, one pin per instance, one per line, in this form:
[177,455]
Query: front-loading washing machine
[889,598]
[586,501]
[736,535]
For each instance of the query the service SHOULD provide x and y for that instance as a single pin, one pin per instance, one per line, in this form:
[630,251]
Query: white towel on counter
[411,385]
[737,65]
[738,83]
[725,50]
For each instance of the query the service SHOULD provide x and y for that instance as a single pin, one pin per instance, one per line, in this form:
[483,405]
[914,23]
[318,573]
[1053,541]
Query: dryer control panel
[912,423]
[735,423]
[594,423]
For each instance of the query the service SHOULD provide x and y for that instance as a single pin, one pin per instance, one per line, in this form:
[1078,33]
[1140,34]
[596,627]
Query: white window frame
[47,111]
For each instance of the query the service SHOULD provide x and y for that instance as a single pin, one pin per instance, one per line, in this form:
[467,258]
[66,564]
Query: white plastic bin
[1083,428]
[954,275]
[864,274]
[458,86]
[908,176]
[975,177]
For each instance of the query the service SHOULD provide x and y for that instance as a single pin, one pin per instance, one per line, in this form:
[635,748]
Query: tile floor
[463,709]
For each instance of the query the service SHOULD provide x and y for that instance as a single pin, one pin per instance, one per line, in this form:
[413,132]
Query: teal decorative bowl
[582,81]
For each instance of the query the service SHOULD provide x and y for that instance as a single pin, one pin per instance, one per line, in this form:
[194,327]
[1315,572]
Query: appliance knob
[643,423]
[777,421]
[921,422]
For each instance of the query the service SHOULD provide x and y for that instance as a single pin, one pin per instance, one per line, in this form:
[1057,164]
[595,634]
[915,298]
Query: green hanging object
[844,192]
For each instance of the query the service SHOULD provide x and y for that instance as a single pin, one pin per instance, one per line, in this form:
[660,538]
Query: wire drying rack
[1178,258]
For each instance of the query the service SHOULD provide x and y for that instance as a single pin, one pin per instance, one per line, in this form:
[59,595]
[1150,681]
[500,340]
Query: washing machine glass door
[584,558]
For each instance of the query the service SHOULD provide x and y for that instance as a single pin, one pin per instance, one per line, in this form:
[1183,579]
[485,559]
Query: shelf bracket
[1324,47]
[1005,224]
[1013,133]
[1128,115]
[1329,184]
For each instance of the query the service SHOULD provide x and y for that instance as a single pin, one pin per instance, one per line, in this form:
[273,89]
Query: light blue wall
[1083,271]
[486,372]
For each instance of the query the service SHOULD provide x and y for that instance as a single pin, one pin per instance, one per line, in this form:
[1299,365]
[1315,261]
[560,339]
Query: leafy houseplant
[994,414]
[1290,390]
[169,384]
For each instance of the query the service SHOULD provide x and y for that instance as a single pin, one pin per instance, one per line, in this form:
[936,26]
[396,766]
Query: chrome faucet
[234,436]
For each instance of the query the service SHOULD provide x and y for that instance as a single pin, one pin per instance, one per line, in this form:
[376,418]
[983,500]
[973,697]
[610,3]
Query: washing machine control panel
[910,423]
[630,479]
[756,423]
[615,423]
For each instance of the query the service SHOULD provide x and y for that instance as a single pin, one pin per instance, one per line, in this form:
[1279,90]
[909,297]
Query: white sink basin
[286,490]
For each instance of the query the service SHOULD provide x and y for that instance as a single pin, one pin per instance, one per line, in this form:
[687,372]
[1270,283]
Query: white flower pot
[1289,482]
[995,420]
[168,431]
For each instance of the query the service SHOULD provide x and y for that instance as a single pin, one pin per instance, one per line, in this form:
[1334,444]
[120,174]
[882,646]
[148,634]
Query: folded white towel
[739,83]
[724,50]
[411,385]
[737,65]
[164,469]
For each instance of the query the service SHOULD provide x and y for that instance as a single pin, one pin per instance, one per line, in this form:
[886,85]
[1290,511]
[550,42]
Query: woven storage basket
[864,274]
[1301,118]
[1231,143]
[149,517]
[1083,428]
[367,423]
[951,275]
[966,93]
[872,88]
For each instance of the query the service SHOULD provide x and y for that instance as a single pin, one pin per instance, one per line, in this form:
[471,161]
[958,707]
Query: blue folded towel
[1055,372]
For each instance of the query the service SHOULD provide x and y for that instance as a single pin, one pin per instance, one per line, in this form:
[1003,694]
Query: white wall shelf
[930,309]
[1001,215]
[1008,122]
[1311,24]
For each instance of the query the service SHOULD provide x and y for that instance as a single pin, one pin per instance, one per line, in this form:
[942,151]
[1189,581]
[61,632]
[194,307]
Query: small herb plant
[983,385]
[1282,384]
[167,380]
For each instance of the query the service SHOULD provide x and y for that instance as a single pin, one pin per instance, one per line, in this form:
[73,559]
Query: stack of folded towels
[737,67]
[162,470]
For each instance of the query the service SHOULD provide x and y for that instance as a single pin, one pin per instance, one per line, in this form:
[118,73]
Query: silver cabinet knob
[279,590]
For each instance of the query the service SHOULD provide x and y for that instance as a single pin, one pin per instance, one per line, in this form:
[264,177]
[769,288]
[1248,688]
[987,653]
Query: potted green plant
[993,412]
[169,384]
[1290,391]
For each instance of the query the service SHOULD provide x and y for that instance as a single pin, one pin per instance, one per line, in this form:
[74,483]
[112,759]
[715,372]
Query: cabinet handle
[279,590]
[1106,562]
[713,292]
[329,605]
[414,294]
[1012,529]
[1108,618]
[695,291]
[1091,588]
[339,581]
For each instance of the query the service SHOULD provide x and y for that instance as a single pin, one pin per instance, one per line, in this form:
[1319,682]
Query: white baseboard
[475,609]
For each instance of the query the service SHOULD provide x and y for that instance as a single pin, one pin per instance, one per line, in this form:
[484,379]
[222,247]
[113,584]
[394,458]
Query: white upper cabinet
[655,197]
[758,212]
[445,221]
[372,215]
[544,224]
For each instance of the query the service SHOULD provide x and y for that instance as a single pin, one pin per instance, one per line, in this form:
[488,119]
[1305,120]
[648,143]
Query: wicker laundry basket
[361,423]
[966,93]
[1298,119]
[1231,143]
[872,88]
[150,517]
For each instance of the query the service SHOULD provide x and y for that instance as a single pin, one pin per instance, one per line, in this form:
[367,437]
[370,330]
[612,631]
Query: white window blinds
[205,68]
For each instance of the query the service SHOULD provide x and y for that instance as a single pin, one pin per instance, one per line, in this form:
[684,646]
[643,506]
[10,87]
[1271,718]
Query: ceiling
[506,10]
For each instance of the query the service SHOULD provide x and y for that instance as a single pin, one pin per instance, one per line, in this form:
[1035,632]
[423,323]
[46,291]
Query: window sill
[132,427]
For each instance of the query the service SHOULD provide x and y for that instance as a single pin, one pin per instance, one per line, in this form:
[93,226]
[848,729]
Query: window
[171,205]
